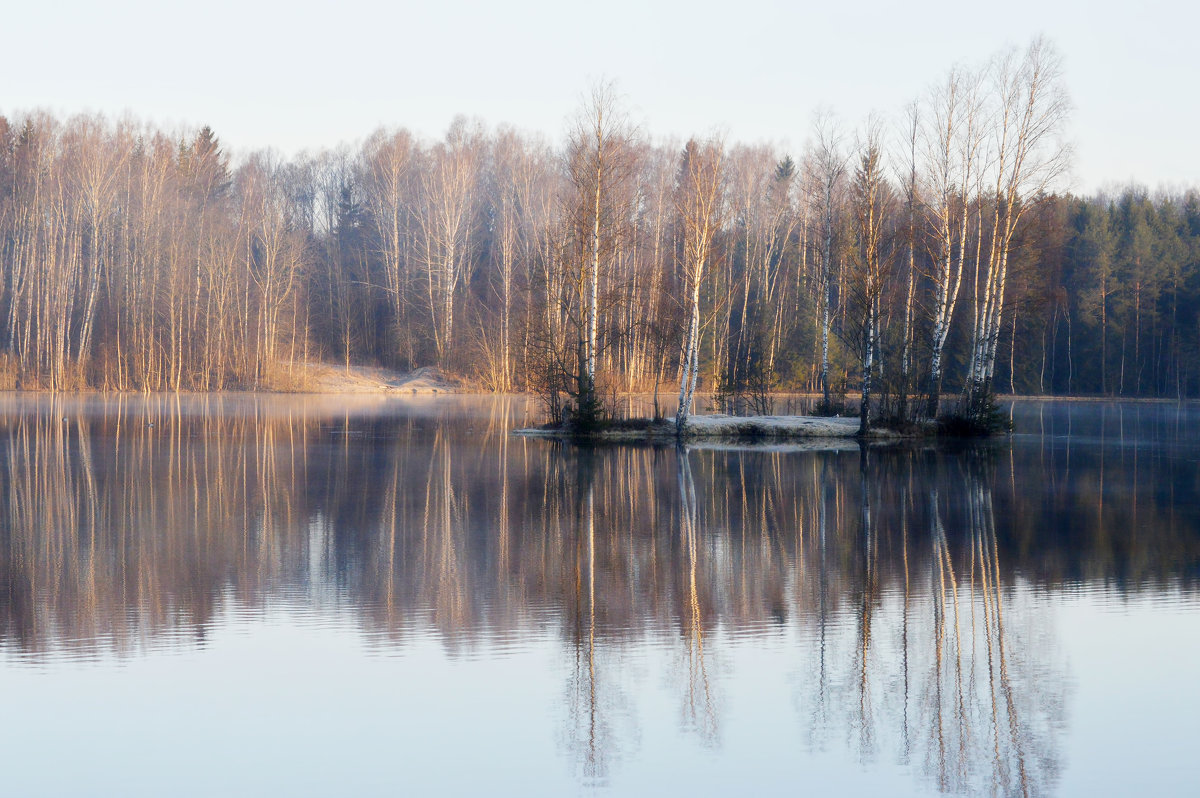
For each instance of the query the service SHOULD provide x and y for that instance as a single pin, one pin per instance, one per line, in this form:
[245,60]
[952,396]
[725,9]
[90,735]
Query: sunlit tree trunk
[698,203]
[828,169]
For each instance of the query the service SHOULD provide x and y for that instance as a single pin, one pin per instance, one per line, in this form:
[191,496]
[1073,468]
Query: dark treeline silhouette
[1110,291]
[929,255]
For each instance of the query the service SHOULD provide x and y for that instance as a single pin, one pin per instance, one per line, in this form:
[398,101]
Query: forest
[935,253]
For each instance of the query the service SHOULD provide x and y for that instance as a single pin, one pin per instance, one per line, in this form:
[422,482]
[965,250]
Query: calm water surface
[341,596]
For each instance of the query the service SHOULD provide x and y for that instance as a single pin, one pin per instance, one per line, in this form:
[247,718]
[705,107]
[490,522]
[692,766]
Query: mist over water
[290,595]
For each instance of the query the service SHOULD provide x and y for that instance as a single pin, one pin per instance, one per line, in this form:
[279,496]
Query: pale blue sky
[307,74]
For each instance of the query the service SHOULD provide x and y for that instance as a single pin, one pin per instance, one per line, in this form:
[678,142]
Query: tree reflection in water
[908,599]
[699,711]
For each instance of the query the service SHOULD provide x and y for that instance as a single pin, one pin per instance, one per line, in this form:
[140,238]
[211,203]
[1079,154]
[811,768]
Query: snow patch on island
[719,425]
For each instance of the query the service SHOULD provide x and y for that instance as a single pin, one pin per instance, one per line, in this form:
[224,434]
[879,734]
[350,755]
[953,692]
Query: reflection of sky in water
[293,659]
[1135,712]
[287,703]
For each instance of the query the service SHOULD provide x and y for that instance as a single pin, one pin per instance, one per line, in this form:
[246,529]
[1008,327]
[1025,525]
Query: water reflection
[905,583]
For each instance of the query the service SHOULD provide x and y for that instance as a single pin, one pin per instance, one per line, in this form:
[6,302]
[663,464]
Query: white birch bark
[1029,157]
[828,169]
[699,198]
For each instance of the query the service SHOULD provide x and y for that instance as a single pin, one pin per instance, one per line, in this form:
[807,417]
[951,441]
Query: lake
[248,595]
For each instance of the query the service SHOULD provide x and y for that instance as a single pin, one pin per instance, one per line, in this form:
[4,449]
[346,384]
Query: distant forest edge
[918,253]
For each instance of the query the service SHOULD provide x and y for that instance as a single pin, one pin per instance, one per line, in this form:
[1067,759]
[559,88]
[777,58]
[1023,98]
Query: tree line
[914,257]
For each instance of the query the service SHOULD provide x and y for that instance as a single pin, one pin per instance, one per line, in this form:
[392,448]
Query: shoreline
[719,427]
[411,385]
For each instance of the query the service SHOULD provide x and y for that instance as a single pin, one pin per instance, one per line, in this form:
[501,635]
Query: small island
[717,426]
[580,418]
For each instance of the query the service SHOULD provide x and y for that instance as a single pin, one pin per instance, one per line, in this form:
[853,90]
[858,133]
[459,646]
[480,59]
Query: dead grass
[289,378]
[10,373]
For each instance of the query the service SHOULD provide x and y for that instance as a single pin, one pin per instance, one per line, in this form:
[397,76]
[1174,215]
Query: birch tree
[909,182]
[869,195]
[517,191]
[826,177]
[448,194]
[758,271]
[952,138]
[1028,157]
[387,185]
[276,257]
[699,197]
[101,159]
[600,164]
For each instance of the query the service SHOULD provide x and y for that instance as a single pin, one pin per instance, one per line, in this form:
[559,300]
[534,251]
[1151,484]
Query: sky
[309,75]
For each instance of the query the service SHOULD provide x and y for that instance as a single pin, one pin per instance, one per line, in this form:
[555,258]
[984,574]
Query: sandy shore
[327,378]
